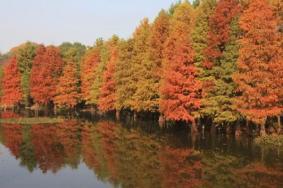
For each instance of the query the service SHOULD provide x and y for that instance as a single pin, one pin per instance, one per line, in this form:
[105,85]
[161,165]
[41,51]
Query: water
[108,154]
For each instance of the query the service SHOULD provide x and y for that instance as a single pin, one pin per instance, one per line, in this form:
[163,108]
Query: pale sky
[56,21]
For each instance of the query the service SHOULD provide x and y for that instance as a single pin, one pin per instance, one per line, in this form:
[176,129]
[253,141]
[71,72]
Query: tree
[11,83]
[123,75]
[150,64]
[1,78]
[201,29]
[219,62]
[46,70]
[107,98]
[72,52]
[142,76]
[25,54]
[99,71]
[180,88]
[88,68]
[260,64]
[67,89]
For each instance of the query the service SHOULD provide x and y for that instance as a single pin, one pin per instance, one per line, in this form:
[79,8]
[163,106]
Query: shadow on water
[142,155]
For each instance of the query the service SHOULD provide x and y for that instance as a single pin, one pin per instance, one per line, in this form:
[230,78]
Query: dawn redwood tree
[73,52]
[180,88]
[201,29]
[219,63]
[25,54]
[99,70]
[1,77]
[68,87]
[141,66]
[123,75]
[88,67]
[147,94]
[11,83]
[260,64]
[107,98]
[46,70]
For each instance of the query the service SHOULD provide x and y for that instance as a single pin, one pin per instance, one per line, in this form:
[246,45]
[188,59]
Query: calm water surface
[107,154]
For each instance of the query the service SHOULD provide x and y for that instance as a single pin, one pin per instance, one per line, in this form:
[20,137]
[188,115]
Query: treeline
[215,61]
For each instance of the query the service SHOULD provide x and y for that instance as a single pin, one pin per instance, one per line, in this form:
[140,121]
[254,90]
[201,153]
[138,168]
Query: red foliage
[11,84]
[47,68]
[47,148]
[107,96]
[179,89]
[219,33]
[180,167]
[13,138]
[8,115]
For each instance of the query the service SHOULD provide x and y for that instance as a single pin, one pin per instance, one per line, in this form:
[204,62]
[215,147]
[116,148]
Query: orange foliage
[48,151]
[13,138]
[107,96]
[88,152]
[260,64]
[88,67]
[11,84]
[180,168]
[67,133]
[67,88]
[47,68]
[180,87]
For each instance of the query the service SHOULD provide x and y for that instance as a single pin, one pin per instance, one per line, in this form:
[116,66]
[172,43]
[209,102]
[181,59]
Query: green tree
[141,66]
[25,55]
[219,62]
[123,75]
[101,67]
[201,29]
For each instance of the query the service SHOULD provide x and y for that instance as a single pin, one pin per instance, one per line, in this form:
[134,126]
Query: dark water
[107,154]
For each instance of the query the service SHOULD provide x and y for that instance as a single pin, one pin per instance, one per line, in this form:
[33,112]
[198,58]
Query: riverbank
[32,120]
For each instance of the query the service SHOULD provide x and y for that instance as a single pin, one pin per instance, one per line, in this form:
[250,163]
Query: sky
[57,21]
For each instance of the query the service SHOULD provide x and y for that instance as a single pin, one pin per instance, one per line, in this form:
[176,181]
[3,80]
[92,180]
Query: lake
[77,153]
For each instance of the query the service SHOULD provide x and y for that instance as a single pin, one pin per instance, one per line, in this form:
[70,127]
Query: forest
[217,63]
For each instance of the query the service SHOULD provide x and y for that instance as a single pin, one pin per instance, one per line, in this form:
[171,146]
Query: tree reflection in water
[127,157]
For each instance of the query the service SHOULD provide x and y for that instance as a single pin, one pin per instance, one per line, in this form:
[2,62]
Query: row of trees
[215,60]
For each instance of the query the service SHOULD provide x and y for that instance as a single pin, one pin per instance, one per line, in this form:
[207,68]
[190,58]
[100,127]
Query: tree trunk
[55,110]
[238,131]
[248,127]
[279,124]
[161,121]
[194,129]
[262,129]
[117,115]
[212,129]
[135,116]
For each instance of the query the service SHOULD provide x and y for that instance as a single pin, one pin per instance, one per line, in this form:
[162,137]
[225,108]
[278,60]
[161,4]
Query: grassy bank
[32,120]
[270,141]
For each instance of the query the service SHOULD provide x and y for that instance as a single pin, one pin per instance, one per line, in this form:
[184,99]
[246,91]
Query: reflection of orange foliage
[258,175]
[7,115]
[88,152]
[67,133]
[107,130]
[13,138]
[180,168]
[48,151]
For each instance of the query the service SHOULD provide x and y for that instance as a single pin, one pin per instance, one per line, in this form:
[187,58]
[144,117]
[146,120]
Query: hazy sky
[56,21]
